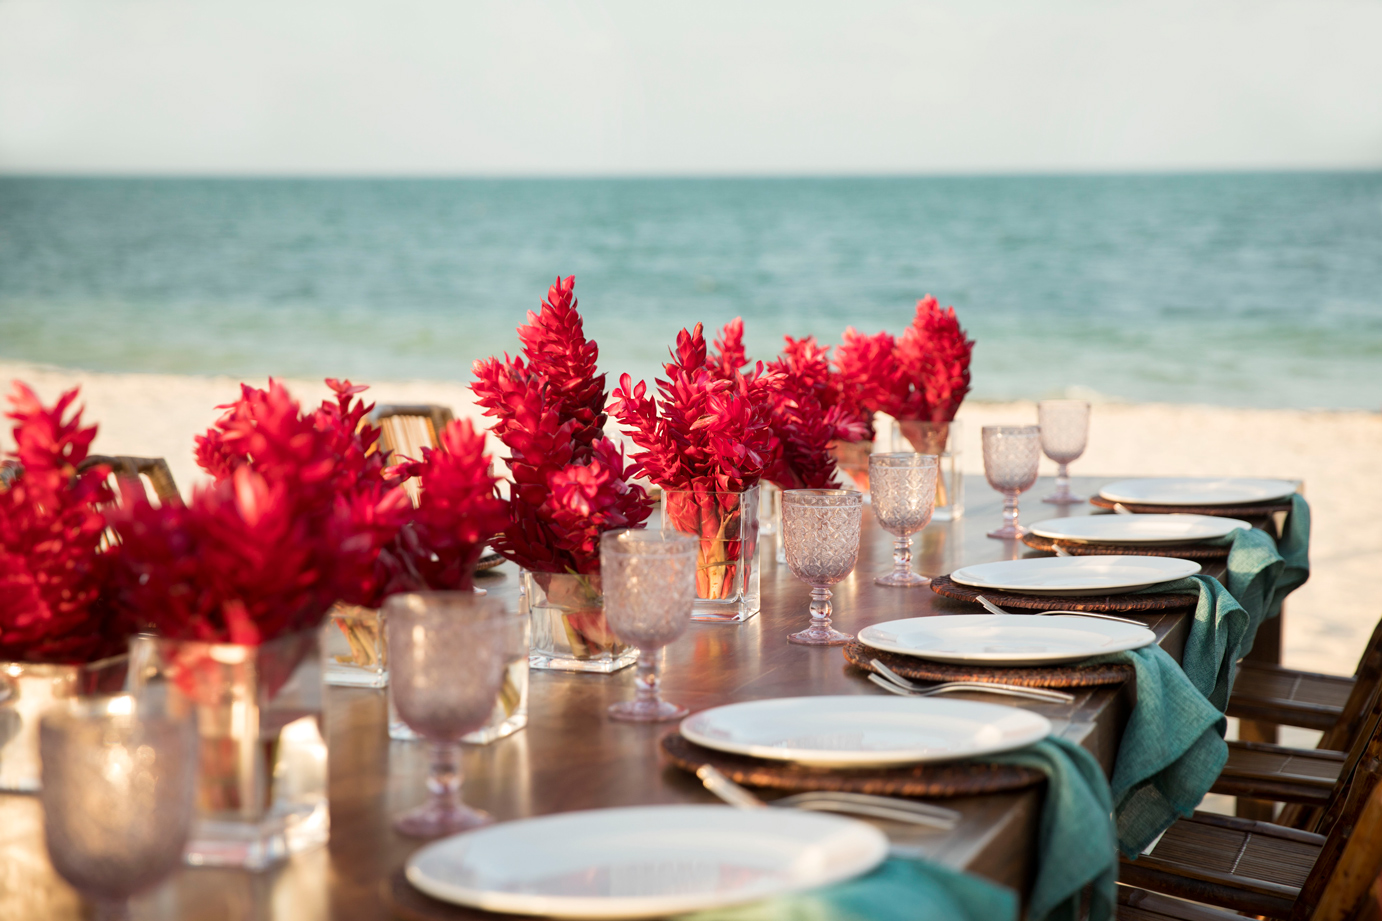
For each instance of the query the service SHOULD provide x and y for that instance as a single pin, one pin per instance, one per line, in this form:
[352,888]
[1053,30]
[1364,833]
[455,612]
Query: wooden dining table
[571,756]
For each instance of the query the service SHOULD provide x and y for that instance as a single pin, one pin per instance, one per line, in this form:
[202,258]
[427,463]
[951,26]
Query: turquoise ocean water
[1250,290]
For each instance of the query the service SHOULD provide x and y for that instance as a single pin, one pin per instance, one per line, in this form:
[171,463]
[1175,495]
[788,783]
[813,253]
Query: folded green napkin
[1075,837]
[901,889]
[1171,752]
[1262,571]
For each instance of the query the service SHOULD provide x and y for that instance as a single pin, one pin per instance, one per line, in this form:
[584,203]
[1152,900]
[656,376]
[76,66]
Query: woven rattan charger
[1192,551]
[1130,603]
[952,778]
[1258,510]
[1047,676]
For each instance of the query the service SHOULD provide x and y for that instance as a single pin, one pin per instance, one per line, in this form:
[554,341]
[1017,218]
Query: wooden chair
[406,430]
[1268,869]
[1272,694]
[138,470]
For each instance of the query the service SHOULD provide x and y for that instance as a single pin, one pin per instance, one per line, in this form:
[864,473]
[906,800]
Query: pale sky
[464,87]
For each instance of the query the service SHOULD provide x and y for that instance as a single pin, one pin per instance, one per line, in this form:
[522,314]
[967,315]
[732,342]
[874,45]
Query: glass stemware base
[820,633]
[443,813]
[1063,495]
[1010,530]
[902,575]
[646,711]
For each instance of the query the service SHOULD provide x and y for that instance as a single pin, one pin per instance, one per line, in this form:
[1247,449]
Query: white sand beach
[1327,620]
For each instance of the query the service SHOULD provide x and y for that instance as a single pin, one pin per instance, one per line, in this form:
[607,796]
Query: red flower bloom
[804,426]
[550,415]
[52,568]
[706,432]
[295,521]
[457,513]
[924,375]
[934,356]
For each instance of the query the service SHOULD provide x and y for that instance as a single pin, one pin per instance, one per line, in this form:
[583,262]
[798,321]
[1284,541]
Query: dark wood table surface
[571,757]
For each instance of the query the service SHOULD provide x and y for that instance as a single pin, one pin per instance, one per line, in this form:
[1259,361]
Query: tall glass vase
[569,631]
[261,787]
[27,691]
[727,574]
[943,440]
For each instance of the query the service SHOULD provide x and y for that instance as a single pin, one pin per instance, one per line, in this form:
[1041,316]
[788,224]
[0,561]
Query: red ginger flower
[457,513]
[934,357]
[550,415]
[52,569]
[295,521]
[804,427]
[867,374]
[705,432]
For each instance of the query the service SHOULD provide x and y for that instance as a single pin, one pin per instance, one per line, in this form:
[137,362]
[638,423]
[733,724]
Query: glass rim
[646,542]
[1065,402]
[917,459]
[846,497]
[489,607]
[709,492]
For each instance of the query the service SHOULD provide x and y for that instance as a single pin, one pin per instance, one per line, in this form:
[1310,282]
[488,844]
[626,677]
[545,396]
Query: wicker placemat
[1261,510]
[1050,676]
[1178,551]
[1131,603]
[945,779]
[488,561]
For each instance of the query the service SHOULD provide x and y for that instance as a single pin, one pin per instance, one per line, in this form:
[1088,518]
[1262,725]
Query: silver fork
[889,680]
[995,609]
[878,807]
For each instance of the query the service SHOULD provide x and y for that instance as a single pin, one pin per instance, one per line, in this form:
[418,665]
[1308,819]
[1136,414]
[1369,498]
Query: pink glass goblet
[118,797]
[1064,434]
[1011,454]
[649,581]
[904,497]
[447,654]
[820,530]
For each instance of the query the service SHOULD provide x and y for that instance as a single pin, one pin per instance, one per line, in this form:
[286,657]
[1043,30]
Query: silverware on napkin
[878,807]
[889,680]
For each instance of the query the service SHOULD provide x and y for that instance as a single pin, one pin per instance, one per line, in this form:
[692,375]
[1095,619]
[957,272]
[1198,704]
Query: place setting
[1231,497]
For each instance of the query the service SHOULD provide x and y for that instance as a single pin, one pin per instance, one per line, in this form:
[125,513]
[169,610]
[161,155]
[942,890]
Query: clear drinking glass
[447,653]
[118,797]
[650,591]
[1011,453]
[820,529]
[1064,433]
[904,496]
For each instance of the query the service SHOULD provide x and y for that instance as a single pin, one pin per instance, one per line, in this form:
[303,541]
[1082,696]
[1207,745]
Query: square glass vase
[27,691]
[943,440]
[727,571]
[353,648]
[569,632]
[262,776]
[510,712]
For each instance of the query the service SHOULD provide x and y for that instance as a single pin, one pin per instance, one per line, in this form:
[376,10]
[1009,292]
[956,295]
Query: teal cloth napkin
[1075,847]
[901,889]
[1171,752]
[1075,837]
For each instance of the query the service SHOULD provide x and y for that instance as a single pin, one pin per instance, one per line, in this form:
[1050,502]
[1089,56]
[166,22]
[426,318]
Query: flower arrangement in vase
[920,379]
[707,440]
[59,636]
[569,483]
[234,584]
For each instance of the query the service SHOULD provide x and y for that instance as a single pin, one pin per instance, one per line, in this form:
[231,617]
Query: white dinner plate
[1005,639]
[863,731]
[1138,529]
[644,861]
[1075,575]
[1197,490]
